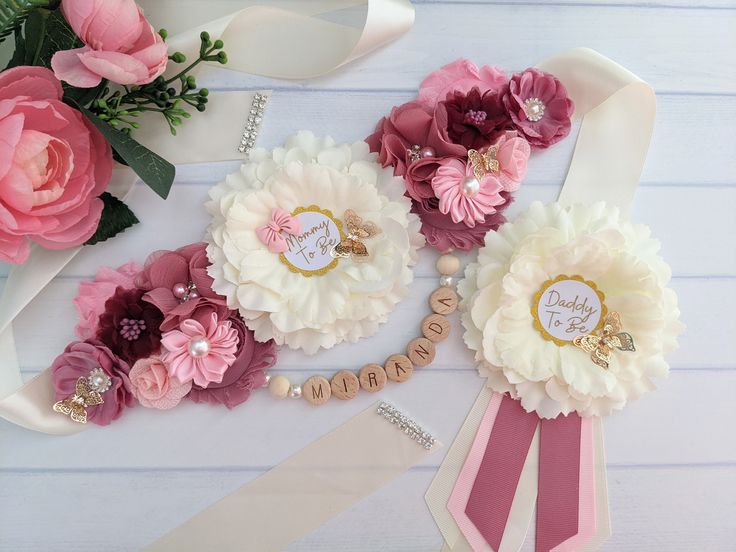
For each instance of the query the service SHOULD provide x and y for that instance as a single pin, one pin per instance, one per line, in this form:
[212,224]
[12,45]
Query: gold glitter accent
[484,163]
[601,343]
[538,297]
[76,406]
[324,269]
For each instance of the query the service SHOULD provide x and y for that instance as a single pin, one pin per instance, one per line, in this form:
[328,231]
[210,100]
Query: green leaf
[116,217]
[58,35]
[154,170]
[83,96]
[14,12]
[35,34]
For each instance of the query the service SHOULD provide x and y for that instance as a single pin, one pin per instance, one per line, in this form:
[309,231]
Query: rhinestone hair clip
[406,424]
[253,125]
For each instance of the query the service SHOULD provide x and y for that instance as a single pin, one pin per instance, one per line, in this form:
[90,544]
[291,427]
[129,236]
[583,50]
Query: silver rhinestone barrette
[253,124]
[406,424]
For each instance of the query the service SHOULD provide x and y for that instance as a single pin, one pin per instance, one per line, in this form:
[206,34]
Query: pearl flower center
[199,346]
[534,109]
[473,117]
[471,187]
[131,329]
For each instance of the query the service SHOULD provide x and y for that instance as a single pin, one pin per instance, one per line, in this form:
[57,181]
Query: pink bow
[270,234]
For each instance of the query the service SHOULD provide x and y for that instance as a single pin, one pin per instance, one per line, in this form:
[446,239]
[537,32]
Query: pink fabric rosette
[54,164]
[152,386]
[459,76]
[119,45]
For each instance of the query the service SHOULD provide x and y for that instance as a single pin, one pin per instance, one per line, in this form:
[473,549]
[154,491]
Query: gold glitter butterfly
[601,343]
[484,163]
[357,232]
[76,406]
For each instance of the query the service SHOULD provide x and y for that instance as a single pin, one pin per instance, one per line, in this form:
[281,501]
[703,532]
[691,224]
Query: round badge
[566,307]
[310,251]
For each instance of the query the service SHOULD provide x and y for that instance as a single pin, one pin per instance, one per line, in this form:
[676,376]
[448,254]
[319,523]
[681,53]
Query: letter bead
[316,390]
[372,377]
[421,351]
[443,300]
[398,368]
[436,327]
[345,385]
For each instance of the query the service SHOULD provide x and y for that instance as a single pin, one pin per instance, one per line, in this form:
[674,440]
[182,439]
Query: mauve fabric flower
[459,76]
[475,118]
[419,175]
[448,185]
[129,326]
[78,360]
[152,386]
[54,164]
[409,125]
[247,373]
[92,296]
[443,234]
[221,339]
[555,123]
[187,265]
[119,45]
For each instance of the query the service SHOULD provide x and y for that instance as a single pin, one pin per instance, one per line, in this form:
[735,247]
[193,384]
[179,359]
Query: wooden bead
[345,385]
[448,265]
[372,377]
[443,300]
[421,351]
[436,328]
[279,387]
[398,368]
[316,390]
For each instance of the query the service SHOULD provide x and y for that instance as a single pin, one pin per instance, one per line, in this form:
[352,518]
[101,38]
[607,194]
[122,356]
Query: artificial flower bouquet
[81,73]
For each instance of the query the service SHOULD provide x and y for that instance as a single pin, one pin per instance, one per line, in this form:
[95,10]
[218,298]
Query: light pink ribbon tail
[271,233]
[461,492]
[587,512]
[558,502]
[492,495]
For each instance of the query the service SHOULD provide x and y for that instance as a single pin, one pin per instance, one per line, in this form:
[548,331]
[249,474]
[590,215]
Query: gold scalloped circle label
[310,251]
[566,307]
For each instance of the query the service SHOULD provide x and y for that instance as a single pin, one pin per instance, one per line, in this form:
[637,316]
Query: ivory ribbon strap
[303,492]
[284,40]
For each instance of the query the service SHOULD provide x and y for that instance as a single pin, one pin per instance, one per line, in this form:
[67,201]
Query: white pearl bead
[295,391]
[471,187]
[446,281]
[98,381]
[267,380]
[279,387]
[448,265]
[199,347]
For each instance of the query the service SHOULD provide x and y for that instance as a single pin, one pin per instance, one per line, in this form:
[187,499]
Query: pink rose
[54,164]
[512,155]
[120,45]
[152,386]
[459,76]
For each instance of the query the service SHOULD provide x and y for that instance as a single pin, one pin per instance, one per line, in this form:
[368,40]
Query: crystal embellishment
[534,109]
[98,380]
[253,124]
[406,424]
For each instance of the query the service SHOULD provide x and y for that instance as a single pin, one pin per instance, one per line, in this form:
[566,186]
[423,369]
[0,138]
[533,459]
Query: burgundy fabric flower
[129,326]
[539,107]
[460,75]
[78,360]
[409,125]
[475,118]
[178,284]
[253,358]
[443,234]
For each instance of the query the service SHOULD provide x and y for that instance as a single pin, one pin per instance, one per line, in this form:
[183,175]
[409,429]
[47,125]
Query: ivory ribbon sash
[283,39]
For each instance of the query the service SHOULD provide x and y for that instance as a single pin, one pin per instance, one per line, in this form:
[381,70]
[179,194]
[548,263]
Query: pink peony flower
[462,196]
[407,126]
[178,284]
[539,107]
[90,301]
[247,373]
[443,234]
[120,45]
[153,387]
[513,155]
[459,76]
[53,166]
[200,352]
[78,360]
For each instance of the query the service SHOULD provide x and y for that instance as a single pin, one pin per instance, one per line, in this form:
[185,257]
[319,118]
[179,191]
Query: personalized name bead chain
[399,367]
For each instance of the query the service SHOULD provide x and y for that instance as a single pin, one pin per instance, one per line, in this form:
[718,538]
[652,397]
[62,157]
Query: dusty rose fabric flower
[93,294]
[200,352]
[178,284]
[475,118]
[53,166]
[458,76]
[462,196]
[512,155]
[129,326]
[409,125]
[247,373]
[153,387]
[419,175]
[539,107]
[119,45]
[78,360]
[443,234]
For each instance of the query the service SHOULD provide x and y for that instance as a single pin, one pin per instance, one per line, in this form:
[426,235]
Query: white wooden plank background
[672,456]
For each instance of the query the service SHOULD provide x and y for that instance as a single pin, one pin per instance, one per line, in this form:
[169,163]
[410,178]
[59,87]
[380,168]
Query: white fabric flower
[545,242]
[347,302]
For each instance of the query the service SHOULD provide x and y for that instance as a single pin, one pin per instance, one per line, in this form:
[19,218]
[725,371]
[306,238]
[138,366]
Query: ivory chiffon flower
[153,387]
